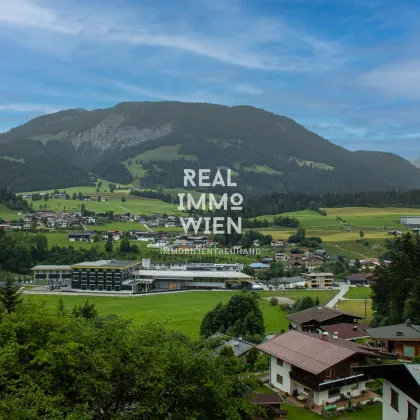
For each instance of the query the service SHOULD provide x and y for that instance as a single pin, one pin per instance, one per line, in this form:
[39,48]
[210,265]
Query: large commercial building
[129,277]
[54,274]
[146,280]
[103,276]
[410,221]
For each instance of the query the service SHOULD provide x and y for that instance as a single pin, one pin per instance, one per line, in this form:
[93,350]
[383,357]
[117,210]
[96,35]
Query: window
[92,287]
[117,288]
[84,278]
[109,279]
[412,412]
[409,351]
[279,362]
[330,373]
[394,399]
[280,379]
[335,392]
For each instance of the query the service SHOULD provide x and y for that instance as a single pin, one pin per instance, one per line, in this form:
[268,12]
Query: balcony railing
[330,384]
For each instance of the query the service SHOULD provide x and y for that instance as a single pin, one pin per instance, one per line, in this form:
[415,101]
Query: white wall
[388,412]
[320,398]
[281,370]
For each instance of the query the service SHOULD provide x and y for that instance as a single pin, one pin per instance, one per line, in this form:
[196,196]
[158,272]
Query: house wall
[398,347]
[321,398]
[284,371]
[388,412]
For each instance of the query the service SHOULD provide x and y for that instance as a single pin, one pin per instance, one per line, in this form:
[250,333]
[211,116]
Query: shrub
[274,301]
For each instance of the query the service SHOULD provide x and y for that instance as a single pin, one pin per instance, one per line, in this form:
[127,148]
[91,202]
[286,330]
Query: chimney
[355,327]
[335,336]
[336,307]
[324,336]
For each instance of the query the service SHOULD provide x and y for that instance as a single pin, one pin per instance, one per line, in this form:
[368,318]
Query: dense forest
[268,152]
[396,287]
[78,364]
[12,201]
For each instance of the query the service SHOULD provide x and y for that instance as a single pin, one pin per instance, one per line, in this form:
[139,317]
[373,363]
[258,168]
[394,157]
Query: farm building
[410,221]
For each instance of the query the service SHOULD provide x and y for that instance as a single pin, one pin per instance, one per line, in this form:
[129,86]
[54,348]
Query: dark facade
[106,277]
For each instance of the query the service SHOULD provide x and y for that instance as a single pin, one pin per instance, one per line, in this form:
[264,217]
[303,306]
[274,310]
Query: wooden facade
[406,349]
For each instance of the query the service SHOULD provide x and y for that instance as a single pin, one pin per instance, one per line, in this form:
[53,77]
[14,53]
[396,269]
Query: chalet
[87,198]
[266,260]
[316,366]
[320,253]
[281,256]
[320,280]
[81,236]
[256,243]
[394,232]
[401,339]
[401,389]
[356,279]
[240,348]
[170,224]
[313,319]
[277,242]
[347,331]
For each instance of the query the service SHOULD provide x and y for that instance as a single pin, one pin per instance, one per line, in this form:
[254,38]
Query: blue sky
[346,69]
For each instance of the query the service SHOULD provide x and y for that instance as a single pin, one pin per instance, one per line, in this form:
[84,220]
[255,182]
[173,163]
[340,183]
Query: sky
[348,70]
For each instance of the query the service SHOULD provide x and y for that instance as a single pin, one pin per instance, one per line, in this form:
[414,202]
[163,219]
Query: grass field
[357,307]
[7,214]
[182,311]
[358,293]
[358,217]
[368,413]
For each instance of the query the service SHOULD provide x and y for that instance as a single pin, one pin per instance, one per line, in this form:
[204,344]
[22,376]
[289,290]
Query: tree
[62,367]
[74,197]
[123,199]
[109,245]
[10,295]
[87,311]
[274,301]
[125,245]
[252,355]
[239,316]
[361,234]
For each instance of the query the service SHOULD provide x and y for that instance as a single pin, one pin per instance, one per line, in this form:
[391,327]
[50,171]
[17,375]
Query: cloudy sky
[346,69]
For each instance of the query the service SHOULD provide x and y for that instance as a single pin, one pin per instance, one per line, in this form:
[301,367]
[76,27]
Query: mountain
[150,143]
[416,162]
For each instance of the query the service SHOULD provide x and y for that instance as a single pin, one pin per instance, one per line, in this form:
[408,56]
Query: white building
[401,389]
[316,366]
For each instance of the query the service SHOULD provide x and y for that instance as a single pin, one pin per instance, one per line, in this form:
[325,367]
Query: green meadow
[181,311]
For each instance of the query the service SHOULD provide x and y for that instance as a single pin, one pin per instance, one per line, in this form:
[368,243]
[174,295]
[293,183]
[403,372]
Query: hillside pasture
[8,214]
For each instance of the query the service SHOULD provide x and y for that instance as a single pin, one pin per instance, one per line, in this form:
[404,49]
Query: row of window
[107,288]
[411,409]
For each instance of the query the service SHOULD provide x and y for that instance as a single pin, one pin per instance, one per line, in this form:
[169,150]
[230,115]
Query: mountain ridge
[268,152]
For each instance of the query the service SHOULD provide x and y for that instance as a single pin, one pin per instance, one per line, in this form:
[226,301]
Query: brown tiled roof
[311,352]
[317,313]
[262,399]
[346,331]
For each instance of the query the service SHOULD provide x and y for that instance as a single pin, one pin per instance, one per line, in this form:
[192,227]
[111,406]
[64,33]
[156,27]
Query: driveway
[344,287]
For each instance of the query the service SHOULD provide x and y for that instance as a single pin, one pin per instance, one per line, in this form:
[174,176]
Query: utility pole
[366,320]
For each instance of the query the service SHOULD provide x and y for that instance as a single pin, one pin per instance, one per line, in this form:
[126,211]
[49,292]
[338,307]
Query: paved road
[344,287]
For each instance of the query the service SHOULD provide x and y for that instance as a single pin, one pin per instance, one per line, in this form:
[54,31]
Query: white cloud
[27,107]
[239,39]
[400,79]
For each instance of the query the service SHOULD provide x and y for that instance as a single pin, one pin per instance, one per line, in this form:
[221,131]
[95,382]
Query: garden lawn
[358,293]
[181,311]
[368,413]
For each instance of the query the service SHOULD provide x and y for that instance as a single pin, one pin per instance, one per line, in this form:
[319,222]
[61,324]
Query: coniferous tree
[10,295]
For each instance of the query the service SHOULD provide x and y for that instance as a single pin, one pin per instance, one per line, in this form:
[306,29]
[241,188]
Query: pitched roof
[399,331]
[356,277]
[314,353]
[239,347]
[318,314]
[347,331]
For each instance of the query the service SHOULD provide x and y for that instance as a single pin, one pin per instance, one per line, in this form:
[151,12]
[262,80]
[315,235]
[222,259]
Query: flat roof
[51,267]
[117,264]
[193,273]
